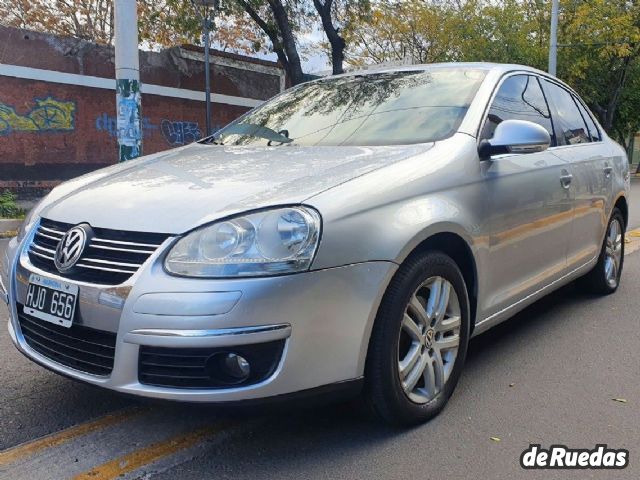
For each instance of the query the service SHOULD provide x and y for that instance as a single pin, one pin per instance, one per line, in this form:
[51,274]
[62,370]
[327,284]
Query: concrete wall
[57,103]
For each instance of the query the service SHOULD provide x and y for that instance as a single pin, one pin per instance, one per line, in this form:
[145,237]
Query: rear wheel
[605,276]
[419,341]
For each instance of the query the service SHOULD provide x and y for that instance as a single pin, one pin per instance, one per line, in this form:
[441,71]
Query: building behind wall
[57,103]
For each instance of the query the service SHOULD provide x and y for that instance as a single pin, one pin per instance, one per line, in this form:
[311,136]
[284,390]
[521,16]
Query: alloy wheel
[613,253]
[429,339]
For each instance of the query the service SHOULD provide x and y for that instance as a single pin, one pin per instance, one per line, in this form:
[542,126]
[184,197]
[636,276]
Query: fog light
[236,366]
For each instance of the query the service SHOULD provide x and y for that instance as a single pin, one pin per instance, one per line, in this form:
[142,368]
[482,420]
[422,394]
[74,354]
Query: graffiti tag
[180,133]
[175,132]
[48,115]
[108,123]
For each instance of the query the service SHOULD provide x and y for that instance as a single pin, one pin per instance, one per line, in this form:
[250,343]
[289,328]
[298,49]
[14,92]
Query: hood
[176,191]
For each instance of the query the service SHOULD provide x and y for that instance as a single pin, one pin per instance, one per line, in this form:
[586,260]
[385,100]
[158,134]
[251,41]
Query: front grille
[110,258]
[81,348]
[193,368]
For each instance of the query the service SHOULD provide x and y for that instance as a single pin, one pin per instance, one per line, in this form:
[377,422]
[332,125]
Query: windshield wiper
[251,130]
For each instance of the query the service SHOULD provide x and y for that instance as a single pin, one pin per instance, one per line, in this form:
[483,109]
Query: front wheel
[419,340]
[605,276]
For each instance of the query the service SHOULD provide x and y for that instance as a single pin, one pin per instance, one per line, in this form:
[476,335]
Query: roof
[498,68]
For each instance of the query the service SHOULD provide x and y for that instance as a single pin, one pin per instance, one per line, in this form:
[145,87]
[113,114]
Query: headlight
[270,242]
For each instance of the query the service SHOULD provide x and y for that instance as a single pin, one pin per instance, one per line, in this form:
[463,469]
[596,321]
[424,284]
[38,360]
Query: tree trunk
[288,41]
[337,42]
[294,72]
[612,107]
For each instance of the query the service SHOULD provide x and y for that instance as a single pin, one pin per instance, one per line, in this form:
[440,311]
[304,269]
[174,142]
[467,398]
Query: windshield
[375,109]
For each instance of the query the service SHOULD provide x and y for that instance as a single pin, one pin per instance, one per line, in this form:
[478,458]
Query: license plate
[51,300]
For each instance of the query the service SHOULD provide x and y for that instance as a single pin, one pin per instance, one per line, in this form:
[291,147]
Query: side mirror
[515,136]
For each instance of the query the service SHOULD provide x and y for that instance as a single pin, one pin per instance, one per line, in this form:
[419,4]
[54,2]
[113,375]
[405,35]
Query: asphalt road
[547,376]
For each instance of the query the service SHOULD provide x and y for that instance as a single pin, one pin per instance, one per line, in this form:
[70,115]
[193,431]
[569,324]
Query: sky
[312,61]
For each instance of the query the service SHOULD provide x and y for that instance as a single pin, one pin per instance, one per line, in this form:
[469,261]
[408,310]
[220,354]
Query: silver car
[350,235]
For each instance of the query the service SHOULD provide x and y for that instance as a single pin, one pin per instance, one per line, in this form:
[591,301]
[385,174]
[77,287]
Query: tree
[86,19]
[274,19]
[394,30]
[602,52]
[336,41]
[336,17]
[173,22]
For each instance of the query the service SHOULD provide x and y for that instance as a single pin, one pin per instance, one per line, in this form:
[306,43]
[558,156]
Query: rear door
[530,200]
[580,144]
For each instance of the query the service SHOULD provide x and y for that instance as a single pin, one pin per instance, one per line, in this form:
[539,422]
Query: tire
[392,343]
[598,281]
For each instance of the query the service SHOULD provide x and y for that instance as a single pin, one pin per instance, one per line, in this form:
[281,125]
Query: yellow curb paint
[27,449]
[632,241]
[144,456]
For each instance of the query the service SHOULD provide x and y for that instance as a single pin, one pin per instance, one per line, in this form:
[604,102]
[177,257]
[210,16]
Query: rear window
[594,133]
[568,123]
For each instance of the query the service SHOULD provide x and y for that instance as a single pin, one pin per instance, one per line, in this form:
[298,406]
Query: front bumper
[324,318]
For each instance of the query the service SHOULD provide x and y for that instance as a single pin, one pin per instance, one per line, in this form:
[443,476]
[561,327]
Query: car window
[519,98]
[383,108]
[568,121]
[594,133]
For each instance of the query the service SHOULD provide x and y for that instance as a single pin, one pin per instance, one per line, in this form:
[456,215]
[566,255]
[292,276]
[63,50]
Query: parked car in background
[351,234]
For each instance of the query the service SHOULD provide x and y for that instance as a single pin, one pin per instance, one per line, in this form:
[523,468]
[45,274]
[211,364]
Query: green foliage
[601,59]
[8,206]
[599,44]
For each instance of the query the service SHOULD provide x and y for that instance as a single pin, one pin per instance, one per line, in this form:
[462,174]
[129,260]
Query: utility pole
[553,41]
[128,105]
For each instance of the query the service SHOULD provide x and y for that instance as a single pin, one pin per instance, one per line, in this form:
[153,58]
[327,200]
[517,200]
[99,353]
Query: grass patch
[8,206]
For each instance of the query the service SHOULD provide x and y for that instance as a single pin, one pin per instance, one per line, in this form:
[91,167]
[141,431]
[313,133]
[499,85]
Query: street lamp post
[553,40]
[205,18]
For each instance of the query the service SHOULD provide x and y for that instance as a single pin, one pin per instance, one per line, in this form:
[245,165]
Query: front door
[530,202]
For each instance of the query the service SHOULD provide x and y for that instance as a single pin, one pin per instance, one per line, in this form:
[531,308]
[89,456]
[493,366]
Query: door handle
[607,170]
[565,179]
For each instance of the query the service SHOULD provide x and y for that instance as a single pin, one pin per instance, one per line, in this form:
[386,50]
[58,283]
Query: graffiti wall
[175,132]
[47,115]
[52,131]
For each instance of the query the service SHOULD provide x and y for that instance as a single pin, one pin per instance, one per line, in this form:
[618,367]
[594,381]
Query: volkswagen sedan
[350,235]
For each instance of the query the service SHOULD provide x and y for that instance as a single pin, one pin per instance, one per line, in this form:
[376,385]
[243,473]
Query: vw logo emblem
[70,249]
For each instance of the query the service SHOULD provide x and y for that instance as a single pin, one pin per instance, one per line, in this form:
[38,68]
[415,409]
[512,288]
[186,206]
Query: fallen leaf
[9,234]
[495,439]
[619,400]
[512,384]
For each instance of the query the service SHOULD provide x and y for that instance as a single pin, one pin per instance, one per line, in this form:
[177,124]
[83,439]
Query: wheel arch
[452,243]
[623,206]
[456,247]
